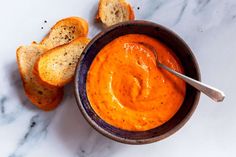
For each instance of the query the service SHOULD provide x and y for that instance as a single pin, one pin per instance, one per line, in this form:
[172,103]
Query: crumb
[138,8]
[45,21]
[41,27]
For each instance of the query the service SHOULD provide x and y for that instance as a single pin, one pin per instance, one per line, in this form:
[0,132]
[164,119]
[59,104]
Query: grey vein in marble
[95,143]
[183,7]
[5,117]
[201,4]
[162,10]
[2,103]
[8,114]
[36,131]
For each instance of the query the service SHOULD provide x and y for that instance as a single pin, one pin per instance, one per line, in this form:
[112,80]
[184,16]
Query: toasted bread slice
[111,12]
[46,98]
[56,67]
[65,31]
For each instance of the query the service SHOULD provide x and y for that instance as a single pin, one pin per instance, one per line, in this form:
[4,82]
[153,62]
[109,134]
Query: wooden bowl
[162,34]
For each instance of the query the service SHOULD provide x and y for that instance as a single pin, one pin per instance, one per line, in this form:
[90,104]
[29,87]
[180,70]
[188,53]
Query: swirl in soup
[127,89]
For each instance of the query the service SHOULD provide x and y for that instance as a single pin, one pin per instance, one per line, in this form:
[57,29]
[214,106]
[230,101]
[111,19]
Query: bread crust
[100,14]
[131,12]
[48,103]
[80,25]
[50,57]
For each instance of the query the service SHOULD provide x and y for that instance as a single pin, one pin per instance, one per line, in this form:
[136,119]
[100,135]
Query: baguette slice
[65,31]
[111,12]
[44,97]
[56,67]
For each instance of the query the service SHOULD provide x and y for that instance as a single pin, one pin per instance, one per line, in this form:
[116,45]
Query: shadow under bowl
[170,39]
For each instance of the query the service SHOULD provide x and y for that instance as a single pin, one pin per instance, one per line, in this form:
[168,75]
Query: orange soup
[127,89]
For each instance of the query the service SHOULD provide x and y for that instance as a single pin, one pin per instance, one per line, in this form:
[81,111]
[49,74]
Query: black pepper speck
[32,124]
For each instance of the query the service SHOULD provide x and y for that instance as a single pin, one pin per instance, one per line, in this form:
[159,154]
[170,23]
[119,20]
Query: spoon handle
[211,92]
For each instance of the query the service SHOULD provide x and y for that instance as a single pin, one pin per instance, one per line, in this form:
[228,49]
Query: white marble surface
[208,26]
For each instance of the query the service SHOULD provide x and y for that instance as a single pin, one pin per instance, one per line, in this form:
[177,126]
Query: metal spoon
[213,93]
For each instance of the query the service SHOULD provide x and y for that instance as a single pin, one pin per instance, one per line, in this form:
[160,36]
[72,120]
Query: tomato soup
[127,89]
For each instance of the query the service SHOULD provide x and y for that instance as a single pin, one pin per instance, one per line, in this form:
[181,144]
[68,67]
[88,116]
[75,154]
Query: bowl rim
[105,132]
